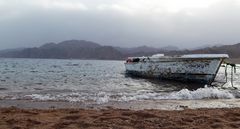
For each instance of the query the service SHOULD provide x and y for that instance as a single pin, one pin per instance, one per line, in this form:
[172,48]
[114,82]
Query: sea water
[98,82]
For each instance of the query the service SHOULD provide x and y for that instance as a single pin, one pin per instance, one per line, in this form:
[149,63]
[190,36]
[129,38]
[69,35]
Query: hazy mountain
[77,49]
[145,49]
[11,50]
[206,46]
[170,48]
[232,50]
[81,49]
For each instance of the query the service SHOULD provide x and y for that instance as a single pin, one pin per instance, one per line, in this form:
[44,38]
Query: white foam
[40,97]
[105,97]
[202,93]
[102,98]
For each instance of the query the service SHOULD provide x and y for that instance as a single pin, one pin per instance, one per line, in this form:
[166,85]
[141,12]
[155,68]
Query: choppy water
[94,81]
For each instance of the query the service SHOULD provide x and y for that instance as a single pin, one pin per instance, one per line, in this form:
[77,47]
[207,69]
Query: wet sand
[133,105]
[15,118]
[165,114]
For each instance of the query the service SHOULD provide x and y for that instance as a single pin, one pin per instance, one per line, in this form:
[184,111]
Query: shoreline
[132,105]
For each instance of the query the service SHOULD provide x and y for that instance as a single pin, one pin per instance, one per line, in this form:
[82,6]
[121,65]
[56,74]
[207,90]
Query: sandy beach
[15,118]
[162,114]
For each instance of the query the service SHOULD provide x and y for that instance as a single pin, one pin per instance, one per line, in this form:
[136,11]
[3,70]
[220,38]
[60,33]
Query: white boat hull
[202,70]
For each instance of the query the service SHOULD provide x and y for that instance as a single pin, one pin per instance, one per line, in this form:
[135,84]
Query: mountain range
[81,49]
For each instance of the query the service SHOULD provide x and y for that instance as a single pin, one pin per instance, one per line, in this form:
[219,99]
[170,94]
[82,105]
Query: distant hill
[232,50]
[205,46]
[76,49]
[170,48]
[145,49]
[10,50]
[140,49]
[81,49]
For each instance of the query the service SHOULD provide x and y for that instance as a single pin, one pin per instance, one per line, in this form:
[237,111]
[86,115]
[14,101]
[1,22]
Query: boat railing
[234,68]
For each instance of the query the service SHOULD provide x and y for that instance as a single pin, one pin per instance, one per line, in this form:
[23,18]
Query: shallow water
[95,81]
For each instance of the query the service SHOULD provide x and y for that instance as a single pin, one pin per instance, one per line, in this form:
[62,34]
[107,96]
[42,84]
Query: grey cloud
[28,25]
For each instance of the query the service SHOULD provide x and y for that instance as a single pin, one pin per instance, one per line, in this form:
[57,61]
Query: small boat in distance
[200,68]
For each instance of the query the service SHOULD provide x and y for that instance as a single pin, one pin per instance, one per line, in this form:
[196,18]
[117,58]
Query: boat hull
[187,70]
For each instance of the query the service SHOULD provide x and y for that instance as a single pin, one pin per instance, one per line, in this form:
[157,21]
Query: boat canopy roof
[206,56]
[186,56]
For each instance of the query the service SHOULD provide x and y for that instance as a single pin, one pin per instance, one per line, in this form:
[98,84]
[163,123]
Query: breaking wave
[104,97]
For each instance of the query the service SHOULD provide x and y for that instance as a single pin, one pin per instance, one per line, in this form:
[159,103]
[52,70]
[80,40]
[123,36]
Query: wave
[105,97]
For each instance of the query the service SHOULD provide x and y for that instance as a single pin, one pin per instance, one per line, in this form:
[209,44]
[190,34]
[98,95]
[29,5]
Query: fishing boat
[200,68]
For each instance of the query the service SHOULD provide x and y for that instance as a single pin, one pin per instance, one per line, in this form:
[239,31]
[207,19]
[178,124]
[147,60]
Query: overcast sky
[126,23]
